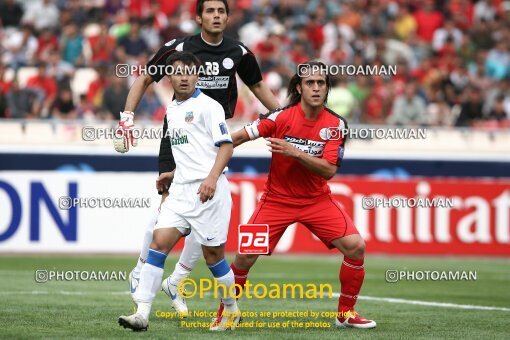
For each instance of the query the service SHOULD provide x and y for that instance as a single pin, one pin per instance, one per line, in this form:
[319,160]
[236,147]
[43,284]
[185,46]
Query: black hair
[186,58]
[200,6]
[303,71]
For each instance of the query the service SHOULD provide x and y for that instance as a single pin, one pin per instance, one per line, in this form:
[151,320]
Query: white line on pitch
[428,303]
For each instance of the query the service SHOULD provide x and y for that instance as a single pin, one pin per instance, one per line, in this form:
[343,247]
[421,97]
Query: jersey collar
[302,114]
[196,93]
[208,43]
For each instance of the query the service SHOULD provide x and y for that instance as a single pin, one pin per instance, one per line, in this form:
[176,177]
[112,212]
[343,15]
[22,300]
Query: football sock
[180,272]
[351,276]
[223,273]
[150,281]
[240,277]
[190,254]
[147,239]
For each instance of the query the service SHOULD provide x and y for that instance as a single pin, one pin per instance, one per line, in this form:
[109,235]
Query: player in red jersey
[305,156]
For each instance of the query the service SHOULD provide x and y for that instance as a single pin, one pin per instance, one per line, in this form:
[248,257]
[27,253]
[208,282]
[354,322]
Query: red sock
[351,276]
[240,278]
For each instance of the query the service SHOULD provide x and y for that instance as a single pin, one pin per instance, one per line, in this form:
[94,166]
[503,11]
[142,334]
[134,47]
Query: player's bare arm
[136,92]
[316,165]
[264,94]
[163,184]
[164,181]
[208,186]
[239,137]
[127,117]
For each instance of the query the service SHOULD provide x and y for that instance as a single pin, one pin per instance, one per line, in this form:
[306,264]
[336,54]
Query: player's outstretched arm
[316,165]
[239,137]
[208,186]
[136,92]
[127,117]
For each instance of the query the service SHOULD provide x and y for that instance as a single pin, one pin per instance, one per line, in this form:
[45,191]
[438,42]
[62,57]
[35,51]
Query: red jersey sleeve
[265,126]
[335,147]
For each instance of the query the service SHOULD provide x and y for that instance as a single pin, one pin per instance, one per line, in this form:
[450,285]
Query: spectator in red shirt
[102,45]
[462,12]
[47,42]
[138,8]
[96,87]
[298,53]
[428,20]
[4,84]
[4,88]
[44,84]
[315,32]
[266,51]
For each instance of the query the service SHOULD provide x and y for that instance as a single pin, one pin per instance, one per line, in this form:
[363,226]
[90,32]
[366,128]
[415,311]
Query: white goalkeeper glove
[124,133]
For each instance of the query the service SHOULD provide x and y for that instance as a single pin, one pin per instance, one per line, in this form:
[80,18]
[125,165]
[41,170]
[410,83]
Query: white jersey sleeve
[215,122]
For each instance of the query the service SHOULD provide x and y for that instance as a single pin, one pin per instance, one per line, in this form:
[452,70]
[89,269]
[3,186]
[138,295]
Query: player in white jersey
[223,57]
[199,199]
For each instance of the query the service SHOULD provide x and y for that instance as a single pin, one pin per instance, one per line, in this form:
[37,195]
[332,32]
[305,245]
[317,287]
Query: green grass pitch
[89,309]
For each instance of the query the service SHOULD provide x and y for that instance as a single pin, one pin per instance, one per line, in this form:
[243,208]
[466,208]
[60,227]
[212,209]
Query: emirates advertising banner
[52,212]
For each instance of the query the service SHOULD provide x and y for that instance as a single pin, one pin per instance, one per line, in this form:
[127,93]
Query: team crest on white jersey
[223,129]
[189,117]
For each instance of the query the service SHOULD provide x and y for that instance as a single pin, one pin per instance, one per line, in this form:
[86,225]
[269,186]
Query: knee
[159,246]
[245,261]
[212,255]
[357,251]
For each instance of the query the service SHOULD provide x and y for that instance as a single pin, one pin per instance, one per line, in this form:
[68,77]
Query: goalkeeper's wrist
[129,115]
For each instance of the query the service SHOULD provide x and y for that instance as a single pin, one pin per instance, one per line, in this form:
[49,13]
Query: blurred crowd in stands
[452,56]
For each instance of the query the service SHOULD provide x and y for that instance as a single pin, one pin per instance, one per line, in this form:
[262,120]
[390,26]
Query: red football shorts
[324,217]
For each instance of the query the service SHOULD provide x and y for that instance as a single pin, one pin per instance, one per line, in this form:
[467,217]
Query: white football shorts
[209,221]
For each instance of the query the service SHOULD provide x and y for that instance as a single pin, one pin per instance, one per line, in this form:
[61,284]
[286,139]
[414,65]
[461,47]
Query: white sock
[190,254]
[144,308]
[232,308]
[150,281]
[228,280]
[147,239]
